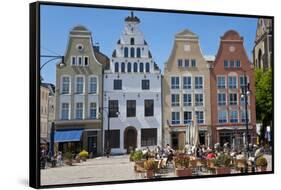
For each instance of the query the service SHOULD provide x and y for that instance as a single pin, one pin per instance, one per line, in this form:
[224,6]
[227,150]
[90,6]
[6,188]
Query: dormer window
[73,60]
[80,62]
[86,61]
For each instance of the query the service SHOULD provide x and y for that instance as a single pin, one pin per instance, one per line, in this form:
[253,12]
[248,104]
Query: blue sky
[159,30]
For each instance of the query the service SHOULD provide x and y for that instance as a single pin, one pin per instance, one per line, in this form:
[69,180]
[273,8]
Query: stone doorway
[130,138]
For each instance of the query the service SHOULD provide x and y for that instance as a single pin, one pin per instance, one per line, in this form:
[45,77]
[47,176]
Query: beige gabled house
[79,87]
[186,91]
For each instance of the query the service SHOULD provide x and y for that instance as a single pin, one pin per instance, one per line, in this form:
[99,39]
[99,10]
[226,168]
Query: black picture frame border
[34,91]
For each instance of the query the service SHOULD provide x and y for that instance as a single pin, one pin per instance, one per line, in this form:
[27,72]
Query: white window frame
[63,109]
[89,84]
[62,84]
[187,103]
[176,103]
[75,59]
[231,118]
[199,103]
[188,85]
[221,103]
[80,109]
[203,115]
[78,59]
[175,121]
[175,86]
[219,82]
[231,102]
[84,57]
[230,85]
[91,108]
[201,86]
[224,118]
[186,121]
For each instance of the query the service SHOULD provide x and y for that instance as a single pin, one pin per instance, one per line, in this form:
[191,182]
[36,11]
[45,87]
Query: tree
[263,82]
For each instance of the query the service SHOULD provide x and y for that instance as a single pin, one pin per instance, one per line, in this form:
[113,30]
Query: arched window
[116,67]
[123,67]
[126,52]
[132,51]
[259,59]
[147,67]
[138,52]
[132,41]
[141,67]
[129,67]
[135,67]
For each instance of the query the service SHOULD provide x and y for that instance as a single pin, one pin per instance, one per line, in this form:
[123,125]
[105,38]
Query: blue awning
[68,136]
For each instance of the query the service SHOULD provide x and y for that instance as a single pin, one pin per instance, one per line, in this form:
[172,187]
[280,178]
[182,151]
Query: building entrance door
[175,141]
[92,145]
[130,139]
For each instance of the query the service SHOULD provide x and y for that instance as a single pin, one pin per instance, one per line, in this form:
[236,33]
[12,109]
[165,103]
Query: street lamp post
[245,93]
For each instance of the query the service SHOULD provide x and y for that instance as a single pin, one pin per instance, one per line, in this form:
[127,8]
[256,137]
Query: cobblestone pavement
[100,169]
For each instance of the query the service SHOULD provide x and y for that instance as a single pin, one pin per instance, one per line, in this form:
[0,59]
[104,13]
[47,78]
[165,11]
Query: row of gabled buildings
[127,95]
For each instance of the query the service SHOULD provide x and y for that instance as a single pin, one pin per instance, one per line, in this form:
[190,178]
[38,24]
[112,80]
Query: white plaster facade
[132,38]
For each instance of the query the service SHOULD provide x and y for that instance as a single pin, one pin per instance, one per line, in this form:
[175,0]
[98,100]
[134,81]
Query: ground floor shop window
[114,138]
[149,137]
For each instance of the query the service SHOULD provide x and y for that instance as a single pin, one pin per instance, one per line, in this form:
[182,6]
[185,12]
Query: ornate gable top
[132,18]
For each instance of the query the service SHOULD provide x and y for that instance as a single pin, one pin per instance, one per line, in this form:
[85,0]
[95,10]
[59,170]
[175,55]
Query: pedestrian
[59,159]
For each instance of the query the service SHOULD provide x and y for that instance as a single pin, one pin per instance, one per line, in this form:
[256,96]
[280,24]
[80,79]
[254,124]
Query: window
[135,67]
[233,99]
[242,100]
[113,108]
[132,51]
[73,60]
[237,63]
[232,82]
[175,82]
[186,63]
[231,64]
[187,117]
[86,60]
[175,99]
[175,117]
[138,52]
[117,84]
[93,110]
[131,108]
[243,81]
[198,82]
[233,117]
[221,99]
[198,99]
[147,67]
[200,117]
[221,82]
[65,111]
[132,41]
[243,116]
[79,110]
[145,84]
[129,69]
[93,85]
[222,116]
[187,100]
[149,137]
[141,67]
[193,63]
[123,67]
[187,84]
[116,67]
[114,136]
[225,63]
[65,85]
[179,62]
[79,85]
[126,52]
[148,108]
[80,62]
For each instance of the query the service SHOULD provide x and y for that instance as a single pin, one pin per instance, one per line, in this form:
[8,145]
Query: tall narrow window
[232,82]
[193,63]
[148,108]
[93,85]
[198,99]
[117,84]
[187,83]
[179,62]
[187,100]
[141,67]
[147,67]
[116,66]
[113,108]
[187,117]
[86,60]
[132,41]
[222,116]
[79,85]
[79,110]
[73,60]
[233,99]
[231,64]
[175,82]
[126,52]
[221,82]
[123,67]
[131,108]
[198,82]
[225,63]
[135,67]
[233,116]
[186,63]
[132,51]
[65,85]
[129,67]
[237,63]
[175,99]
[145,84]
[93,110]
[243,81]
[138,52]
[80,62]
[175,117]
[65,111]
[221,99]
[200,117]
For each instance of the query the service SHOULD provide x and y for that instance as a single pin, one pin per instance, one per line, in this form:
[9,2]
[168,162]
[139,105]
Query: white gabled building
[132,89]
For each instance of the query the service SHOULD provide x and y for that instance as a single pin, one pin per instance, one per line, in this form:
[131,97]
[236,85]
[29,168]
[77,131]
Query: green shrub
[182,161]
[261,161]
[150,165]
[223,160]
[84,153]
[137,155]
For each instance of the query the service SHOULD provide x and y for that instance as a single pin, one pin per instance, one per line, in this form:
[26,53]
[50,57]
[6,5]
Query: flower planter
[149,174]
[223,170]
[181,172]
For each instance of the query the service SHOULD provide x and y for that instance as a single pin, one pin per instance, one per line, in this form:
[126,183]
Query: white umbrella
[195,133]
[187,133]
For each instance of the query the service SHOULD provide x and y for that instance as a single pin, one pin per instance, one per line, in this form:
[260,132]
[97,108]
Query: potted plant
[222,163]
[68,158]
[84,155]
[181,164]
[150,166]
[261,163]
